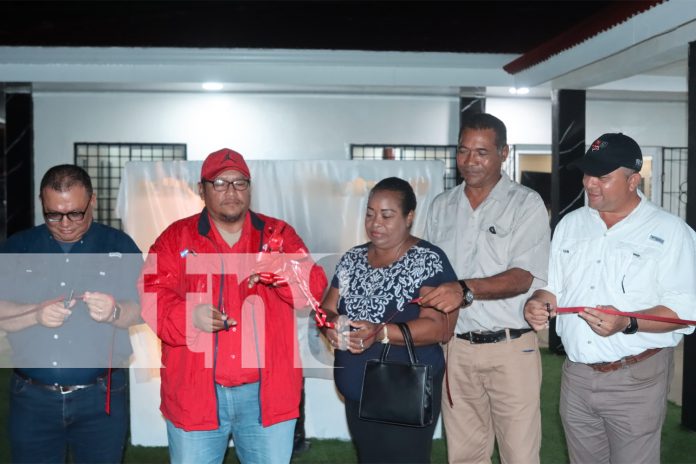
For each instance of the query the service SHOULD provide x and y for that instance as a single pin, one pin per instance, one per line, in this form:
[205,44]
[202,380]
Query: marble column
[567,145]
[17,163]
[469,104]
[689,381]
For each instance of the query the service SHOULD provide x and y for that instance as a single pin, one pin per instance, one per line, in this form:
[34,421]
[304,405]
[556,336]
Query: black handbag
[396,392]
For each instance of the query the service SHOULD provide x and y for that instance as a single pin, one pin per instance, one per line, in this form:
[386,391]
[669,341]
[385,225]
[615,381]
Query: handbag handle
[408,341]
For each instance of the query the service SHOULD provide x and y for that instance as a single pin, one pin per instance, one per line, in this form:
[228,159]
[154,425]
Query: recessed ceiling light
[212,86]
[523,91]
[519,91]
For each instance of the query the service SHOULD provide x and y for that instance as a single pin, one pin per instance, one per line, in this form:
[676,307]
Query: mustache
[231,202]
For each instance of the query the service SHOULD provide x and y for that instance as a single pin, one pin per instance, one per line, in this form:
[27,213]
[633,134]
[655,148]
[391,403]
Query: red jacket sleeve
[163,296]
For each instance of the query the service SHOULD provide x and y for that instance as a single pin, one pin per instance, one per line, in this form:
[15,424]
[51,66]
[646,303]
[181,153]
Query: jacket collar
[204,222]
[204,225]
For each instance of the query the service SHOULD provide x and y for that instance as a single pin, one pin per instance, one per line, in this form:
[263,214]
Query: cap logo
[598,145]
[227,157]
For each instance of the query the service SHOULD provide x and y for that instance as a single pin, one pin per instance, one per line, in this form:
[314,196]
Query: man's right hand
[539,309]
[53,314]
[209,319]
[446,297]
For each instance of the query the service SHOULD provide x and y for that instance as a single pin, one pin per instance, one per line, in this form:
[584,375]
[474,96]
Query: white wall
[659,124]
[303,126]
[260,126]
[528,120]
[649,123]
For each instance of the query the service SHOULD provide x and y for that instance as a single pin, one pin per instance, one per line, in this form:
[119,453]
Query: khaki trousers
[495,388]
[616,417]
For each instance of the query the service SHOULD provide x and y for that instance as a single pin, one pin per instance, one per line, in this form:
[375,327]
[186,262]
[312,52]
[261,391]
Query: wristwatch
[632,326]
[116,314]
[468,294]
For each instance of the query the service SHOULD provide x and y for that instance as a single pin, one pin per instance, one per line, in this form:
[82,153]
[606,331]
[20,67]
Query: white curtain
[324,201]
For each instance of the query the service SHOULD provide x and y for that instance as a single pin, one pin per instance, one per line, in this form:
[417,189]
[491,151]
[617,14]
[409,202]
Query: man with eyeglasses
[219,290]
[619,252]
[68,295]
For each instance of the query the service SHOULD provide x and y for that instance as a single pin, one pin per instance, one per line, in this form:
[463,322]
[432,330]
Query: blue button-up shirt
[35,268]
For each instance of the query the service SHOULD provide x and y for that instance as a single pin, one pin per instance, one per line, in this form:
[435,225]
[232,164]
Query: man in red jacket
[219,289]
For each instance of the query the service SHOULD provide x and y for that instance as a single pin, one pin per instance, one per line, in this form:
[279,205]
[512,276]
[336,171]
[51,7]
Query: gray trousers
[616,417]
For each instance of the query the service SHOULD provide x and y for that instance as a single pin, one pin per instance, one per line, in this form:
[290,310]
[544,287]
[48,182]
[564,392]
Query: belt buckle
[64,390]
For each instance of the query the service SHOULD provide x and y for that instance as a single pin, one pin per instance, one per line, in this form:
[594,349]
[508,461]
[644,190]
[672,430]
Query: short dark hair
[65,176]
[400,186]
[482,121]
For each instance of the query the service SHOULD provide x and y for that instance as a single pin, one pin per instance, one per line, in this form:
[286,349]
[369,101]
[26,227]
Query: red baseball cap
[222,160]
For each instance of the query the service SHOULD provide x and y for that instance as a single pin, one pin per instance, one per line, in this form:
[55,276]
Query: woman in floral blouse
[375,286]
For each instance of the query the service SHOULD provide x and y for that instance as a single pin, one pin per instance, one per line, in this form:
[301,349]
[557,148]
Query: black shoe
[300,447]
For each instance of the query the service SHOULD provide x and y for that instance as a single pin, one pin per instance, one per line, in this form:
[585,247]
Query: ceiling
[420,26]
[418,48]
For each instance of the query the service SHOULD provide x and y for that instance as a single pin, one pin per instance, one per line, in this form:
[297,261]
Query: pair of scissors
[68,299]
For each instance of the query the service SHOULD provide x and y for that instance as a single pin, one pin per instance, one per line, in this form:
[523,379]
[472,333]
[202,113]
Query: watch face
[468,296]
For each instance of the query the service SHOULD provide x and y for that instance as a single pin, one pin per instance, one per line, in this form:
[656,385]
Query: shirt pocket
[495,240]
[634,270]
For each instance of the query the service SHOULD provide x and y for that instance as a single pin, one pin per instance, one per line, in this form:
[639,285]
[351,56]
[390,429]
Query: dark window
[674,163]
[104,163]
[446,153]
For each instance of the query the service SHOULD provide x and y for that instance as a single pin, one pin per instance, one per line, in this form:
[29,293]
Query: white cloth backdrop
[324,201]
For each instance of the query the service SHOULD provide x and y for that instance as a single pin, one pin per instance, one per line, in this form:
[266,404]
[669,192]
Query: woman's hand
[363,337]
[332,336]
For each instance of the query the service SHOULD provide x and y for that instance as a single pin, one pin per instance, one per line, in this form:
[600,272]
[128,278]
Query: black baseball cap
[608,153]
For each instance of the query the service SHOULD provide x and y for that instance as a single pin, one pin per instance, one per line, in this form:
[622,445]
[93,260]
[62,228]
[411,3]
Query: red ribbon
[320,316]
[269,278]
[614,312]
[39,306]
[275,246]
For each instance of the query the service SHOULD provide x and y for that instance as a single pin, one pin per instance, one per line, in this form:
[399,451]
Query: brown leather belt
[63,389]
[623,362]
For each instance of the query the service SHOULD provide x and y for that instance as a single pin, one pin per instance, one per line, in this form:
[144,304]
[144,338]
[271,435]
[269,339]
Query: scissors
[68,299]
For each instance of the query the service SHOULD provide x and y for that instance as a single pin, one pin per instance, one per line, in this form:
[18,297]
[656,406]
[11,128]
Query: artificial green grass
[678,443]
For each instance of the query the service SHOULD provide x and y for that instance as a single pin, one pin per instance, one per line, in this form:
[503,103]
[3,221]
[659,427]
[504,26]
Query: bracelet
[385,338]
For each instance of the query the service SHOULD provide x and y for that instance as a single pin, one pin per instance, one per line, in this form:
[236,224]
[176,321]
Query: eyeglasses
[222,185]
[72,215]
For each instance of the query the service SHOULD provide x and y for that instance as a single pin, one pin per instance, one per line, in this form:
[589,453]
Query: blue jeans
[240,419]
[44,423]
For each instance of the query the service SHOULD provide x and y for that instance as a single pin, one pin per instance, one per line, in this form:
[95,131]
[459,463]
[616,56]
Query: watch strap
[632,326]
[468,295]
